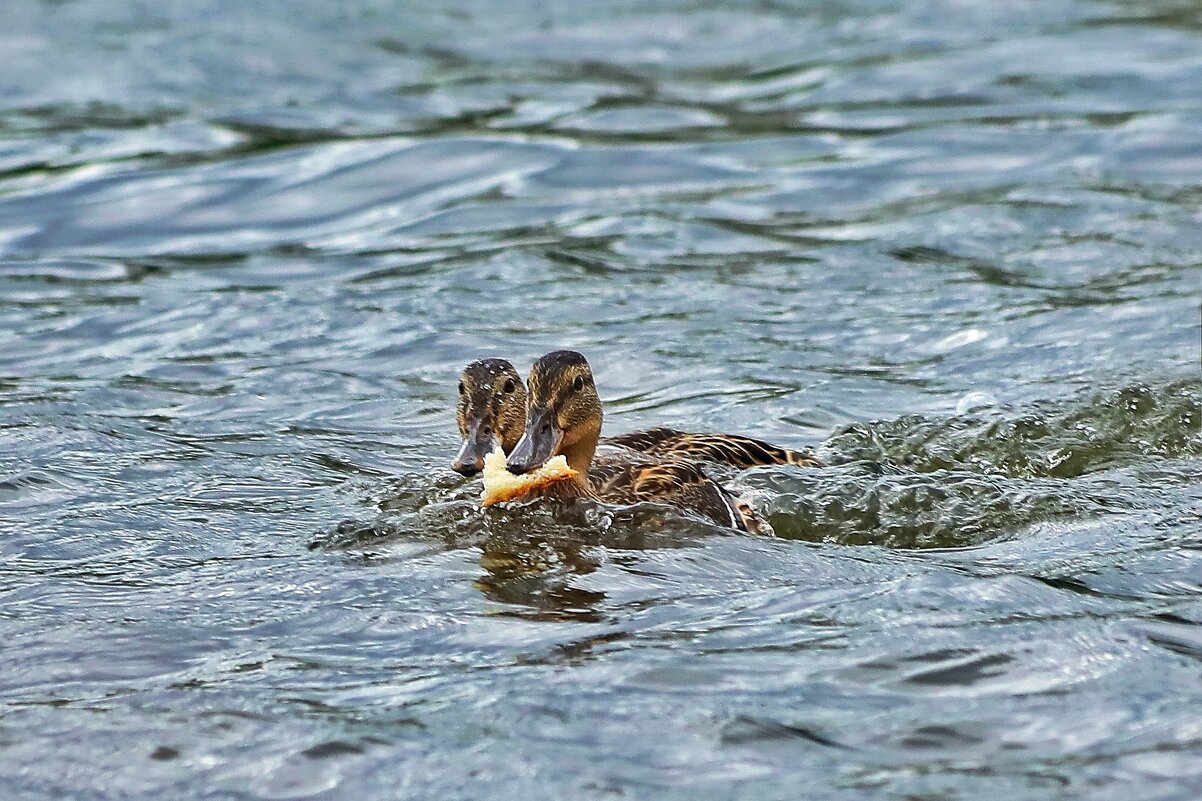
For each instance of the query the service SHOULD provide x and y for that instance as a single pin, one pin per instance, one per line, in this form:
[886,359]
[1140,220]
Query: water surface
[244,253]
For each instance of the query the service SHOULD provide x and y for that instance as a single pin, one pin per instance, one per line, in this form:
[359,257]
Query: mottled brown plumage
[506,413]
[633,478]
[564,417]
[728,449]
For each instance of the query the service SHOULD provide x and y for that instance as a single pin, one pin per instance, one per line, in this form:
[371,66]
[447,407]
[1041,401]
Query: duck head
[491,411]
[563,415]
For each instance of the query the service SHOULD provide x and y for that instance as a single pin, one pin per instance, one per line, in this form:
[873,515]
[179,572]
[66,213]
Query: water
[244,253]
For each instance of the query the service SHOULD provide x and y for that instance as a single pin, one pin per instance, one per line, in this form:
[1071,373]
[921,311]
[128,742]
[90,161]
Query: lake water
[246,248]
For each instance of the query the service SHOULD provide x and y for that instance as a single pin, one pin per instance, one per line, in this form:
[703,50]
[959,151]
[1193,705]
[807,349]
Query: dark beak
[537,445]
[470,459]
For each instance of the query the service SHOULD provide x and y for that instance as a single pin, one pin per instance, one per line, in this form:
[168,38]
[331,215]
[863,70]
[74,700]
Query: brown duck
[491,411]
[564,418]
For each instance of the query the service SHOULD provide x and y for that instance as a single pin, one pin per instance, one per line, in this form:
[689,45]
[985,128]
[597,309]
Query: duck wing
[728,449]
[674,482]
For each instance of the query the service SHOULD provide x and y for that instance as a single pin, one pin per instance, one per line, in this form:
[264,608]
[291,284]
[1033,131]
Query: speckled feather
[683,484]
[729,449]
[627,477]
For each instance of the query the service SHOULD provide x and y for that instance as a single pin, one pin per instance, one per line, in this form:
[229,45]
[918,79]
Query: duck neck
[579,453]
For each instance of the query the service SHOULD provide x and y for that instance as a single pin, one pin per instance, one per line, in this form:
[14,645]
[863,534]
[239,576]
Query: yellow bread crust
[500,485]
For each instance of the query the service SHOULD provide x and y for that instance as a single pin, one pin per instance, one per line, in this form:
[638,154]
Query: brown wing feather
[729,449]
[636,478]
[667,478]
[644,441]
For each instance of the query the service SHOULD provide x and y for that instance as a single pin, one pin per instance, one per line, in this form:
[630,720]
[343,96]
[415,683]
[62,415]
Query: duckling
[564,418]
[492,411]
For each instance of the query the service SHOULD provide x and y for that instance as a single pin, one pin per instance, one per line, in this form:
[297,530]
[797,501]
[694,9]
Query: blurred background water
[246,248]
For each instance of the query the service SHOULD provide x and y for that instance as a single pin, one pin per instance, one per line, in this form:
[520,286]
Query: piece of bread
[501,485]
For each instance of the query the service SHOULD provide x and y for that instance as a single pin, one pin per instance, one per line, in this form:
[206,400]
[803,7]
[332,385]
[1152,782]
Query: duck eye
[510,386]
[578,384]
[461,388]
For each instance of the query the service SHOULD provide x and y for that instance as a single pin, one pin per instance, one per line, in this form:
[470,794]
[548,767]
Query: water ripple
[243,256]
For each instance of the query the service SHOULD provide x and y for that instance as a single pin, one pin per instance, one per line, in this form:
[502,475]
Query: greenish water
[244,252]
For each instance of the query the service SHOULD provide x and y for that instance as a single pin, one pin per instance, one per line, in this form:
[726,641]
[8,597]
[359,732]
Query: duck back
[727,449]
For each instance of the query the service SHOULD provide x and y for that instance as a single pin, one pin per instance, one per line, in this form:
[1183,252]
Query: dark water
[244,252]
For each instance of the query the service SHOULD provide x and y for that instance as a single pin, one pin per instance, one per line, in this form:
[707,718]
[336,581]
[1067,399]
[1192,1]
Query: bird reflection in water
[534,558]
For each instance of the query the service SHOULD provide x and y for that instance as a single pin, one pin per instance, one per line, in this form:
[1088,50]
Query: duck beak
[538,443]
[470,459]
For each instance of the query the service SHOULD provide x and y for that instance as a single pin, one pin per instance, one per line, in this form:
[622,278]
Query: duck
[564,418]
[491,412]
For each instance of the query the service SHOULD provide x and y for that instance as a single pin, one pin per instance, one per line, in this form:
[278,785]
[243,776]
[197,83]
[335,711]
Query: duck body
[624,477]
[564,418]
[627,480]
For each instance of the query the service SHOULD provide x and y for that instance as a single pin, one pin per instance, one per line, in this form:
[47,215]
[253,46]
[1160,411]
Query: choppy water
[244,253]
